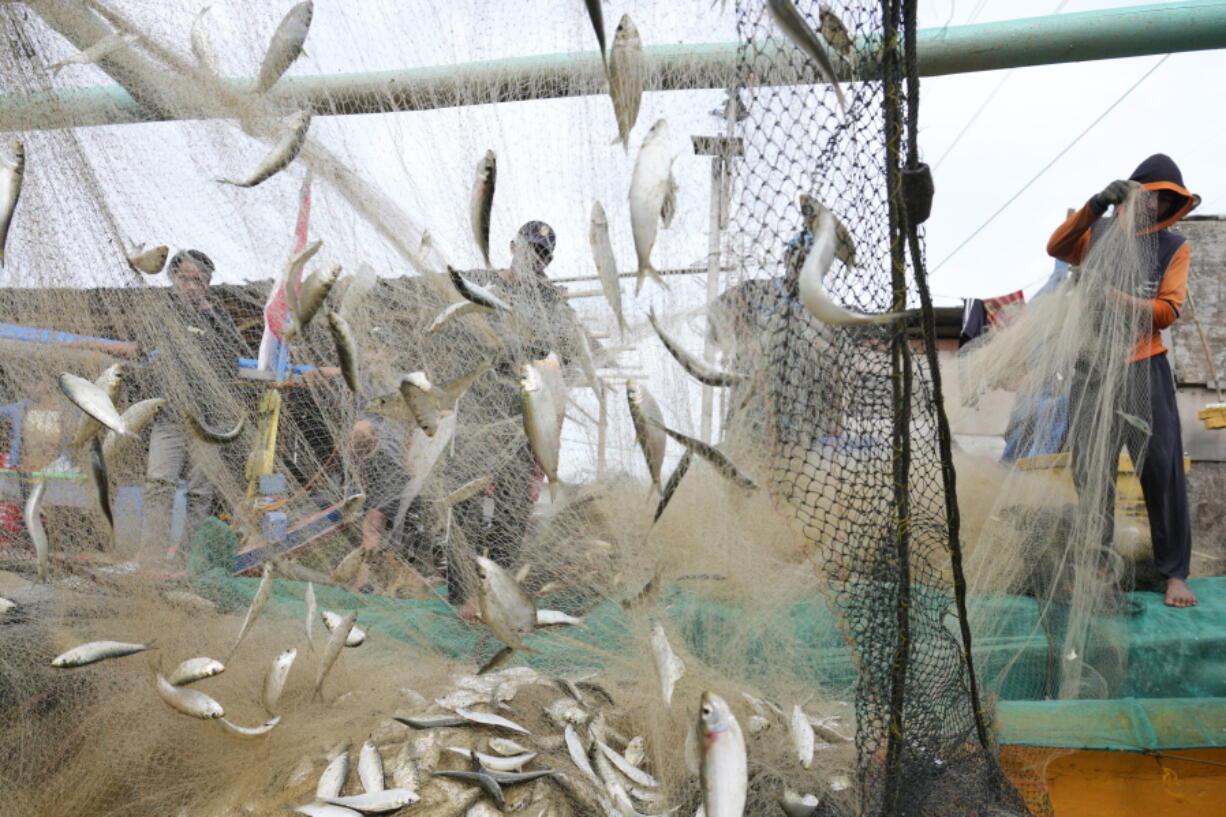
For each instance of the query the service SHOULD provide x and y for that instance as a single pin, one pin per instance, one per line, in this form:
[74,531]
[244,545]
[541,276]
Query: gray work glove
[1114,193]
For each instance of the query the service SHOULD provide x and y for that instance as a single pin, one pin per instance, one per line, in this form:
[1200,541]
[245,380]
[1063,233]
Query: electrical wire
[1048,166]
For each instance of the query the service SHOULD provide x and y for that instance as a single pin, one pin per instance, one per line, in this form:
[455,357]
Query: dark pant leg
[512,508]
[1084,395]
[1162,479]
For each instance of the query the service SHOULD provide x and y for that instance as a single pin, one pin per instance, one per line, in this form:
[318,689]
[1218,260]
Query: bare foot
[468,612]
[1178,594]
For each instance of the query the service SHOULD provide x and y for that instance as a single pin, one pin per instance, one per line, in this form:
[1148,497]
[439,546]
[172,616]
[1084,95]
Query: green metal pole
[1159,28]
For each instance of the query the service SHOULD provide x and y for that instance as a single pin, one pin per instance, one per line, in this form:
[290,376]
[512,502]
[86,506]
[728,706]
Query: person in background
[1162,296]
[490,436]
[202,343]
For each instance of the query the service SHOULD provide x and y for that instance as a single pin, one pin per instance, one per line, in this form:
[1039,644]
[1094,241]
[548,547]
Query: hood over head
[1159,172]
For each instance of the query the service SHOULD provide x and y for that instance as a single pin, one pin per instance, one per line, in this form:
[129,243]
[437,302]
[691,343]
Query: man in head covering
[1158,298]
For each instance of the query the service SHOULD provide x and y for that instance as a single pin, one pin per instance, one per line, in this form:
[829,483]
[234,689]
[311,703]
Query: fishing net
[824,595]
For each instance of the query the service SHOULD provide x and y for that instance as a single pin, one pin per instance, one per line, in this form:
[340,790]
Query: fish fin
[302,52]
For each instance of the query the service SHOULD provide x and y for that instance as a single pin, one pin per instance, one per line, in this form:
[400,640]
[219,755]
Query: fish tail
[227,181]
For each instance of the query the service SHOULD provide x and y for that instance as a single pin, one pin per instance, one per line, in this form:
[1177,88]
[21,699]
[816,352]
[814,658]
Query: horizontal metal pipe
[1160,28]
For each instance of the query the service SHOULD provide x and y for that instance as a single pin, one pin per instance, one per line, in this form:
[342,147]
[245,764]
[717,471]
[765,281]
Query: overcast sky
[555,158]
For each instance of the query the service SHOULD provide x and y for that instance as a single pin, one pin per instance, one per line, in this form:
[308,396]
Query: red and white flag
[276,309]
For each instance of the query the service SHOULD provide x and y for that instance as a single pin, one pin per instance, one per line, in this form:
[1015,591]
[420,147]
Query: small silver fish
[506,747]
[293,272]
[494,762]
[195,669]
[249,731]
[274,681]
[506,610]
[674,481]
[311,297]
[1139,423]
[376,801]
[293,137]
[796,805]
[285,45]
[135,417]
[812,274]
[578,756]
[6,606]
[310,612]
[649,186]
[631,771]
[346,569]
[836,34]
[541,424]
[552,618]
[845,246]
[258,602]
[606,263]
[102,481]
[189,701]
[453,310]
[482,203]
[33,517]
[669,668]
[803,739]
[202,50]
[648,427]
[346,349]
[468,490]
[110,382]
[636,751]
[332,650]
[488,719]
[798,31]
[205,434]
[95,651]
[718,461]
[700,370]
[333,620]
[93,401]
[723,769]
[149,261]
[333,778]
[12,171]
[476,293]
[370,767]
[626,74]
[108,44]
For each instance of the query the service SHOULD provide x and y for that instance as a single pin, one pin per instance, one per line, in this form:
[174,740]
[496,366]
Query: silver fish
[346,349]
[578,756]
[506,610]
[33,517]
[803,739]
[1139,423]
[648,189]
[433,723]
[332,650]
[195,669]
[189,701]
[376,801]
[468,490]
[93,401]
[326,810]
[205,434]
[812,291]
[700,370]
[487,783]
[669,668]
[506,747]
[149,261]
[12,171]
[476,293]
[631,771]
[626,74]
[293,273]
[135,418]
[648,427]
[370,767]
[333,778]
[102,481]
[285,151]
[613,785]
[541,425]
[258,602]
[636,751]
[836,34]
[723,769]
[718,461]
[311,297]
[346,569]
[845,246]
[794,25]
[249,731]
[493,762]
[333,620]
[310,612]
[108,44]
[95,651]
[274,681]
[201,49]
[285,46]
[551,618]
[110,382]
[487,719]
[482,203]
[606,263]
[674,481]
[453,310]
[6,606]
[796,805]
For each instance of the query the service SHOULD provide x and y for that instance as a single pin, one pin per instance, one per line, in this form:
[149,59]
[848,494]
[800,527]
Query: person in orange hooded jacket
[1162,477]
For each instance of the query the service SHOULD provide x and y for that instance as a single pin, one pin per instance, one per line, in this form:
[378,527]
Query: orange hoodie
[1071,242]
